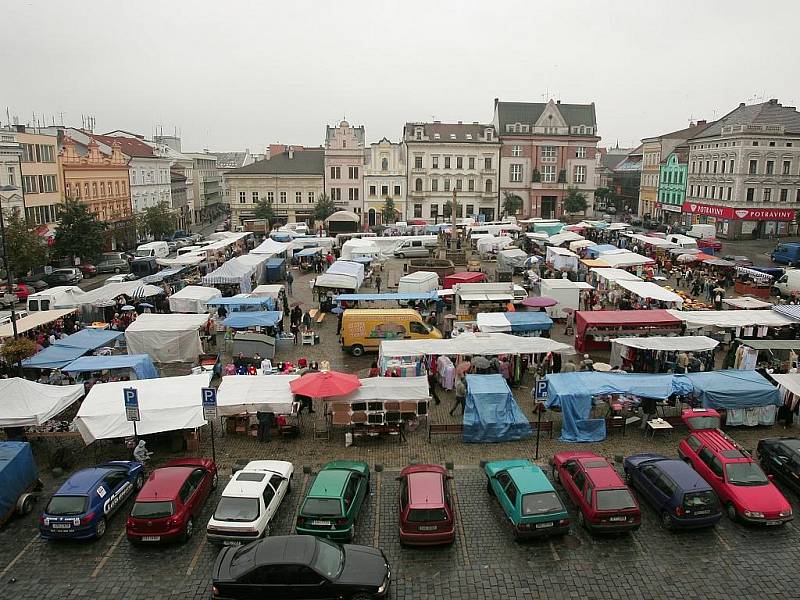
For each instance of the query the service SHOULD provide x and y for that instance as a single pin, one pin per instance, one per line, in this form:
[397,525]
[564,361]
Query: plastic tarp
[17,473]
[53,357]
[490,412]
[485,344]
[141,364]
[564,237]
[400,297]
[343,274]
[510,259]
[71,347]
[307,252]
[732,388]
[34,320]
[29,404]
[515,322]
[166,338]
[747,302]
[732,318]
[594,251]
[389,388]
[239,394]
[165,404]
[651,291]
[270,247]
[677,343]
[624,258]
[192,299]
[261,318]
[239,301]
[161,275]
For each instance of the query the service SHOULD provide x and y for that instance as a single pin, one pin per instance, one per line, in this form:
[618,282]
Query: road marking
[556,557]
[459,522]
[18,556]
[108,554]
[722,540]
[376,507]
[196,557]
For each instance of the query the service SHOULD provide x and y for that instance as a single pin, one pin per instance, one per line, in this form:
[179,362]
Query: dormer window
[418,134]
[436,136]
[469,136]
[452,136]
[488,135]
[524,129]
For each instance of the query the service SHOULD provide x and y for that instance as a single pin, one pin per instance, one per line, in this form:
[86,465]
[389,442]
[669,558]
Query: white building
[384,177]
[10,173]
[447,157]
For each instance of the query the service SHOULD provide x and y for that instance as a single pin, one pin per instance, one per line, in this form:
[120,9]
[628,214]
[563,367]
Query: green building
[672,185]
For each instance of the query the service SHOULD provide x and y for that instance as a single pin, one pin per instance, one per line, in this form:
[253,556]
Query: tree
[158,220]
[575,201]
[511,203]
[388,213]
[324,207]
[79,232]
[15,351]
[264,210]
[26,250]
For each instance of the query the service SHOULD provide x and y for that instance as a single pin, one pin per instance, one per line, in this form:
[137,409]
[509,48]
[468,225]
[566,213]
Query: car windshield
[541,504]
[427,515]
[325,507]
[144,253]
[237,509]
[329,559]
[614,500]
[745,473]
[152,510]
[67,505]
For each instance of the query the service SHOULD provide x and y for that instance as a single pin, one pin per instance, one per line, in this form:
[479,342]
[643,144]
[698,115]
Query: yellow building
[648,189]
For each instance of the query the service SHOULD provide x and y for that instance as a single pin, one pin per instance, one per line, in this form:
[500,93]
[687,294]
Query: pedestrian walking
[264,426]
[295,331]
[461,396]
[378,282]
[289,280]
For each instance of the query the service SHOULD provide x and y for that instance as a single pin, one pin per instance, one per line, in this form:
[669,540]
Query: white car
[249,502]
[122,277]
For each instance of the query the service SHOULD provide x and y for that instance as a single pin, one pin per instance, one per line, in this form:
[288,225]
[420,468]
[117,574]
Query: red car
[426,514]
[88,270]
[21,291]
[712,243]
[742,487]
[603,500]
[171,500]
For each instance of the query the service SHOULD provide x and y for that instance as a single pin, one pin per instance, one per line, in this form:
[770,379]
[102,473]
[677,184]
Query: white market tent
[343,216]
[34,320]
[580,244]
[389,388]
[487,245]
[562,259]
[563,237]
[166,338]
[238,271]
[485,344]
[612,275]
[192,299]
[653,241]
[676,343]
[271,290]
[29,404]
[342,274]
[270,247]
[165,404]
[747,302]
[790,381]
[189,259]
[239,394]
[651,291]
[731,318]
[359,247]
[624,258]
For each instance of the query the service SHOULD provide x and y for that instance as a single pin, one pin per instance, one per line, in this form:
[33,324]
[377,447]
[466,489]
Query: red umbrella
[325,384]
[539,302]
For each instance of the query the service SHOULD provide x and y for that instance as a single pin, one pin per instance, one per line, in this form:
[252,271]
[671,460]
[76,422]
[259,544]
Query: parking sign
[209,403]
[541,389]
[131,396]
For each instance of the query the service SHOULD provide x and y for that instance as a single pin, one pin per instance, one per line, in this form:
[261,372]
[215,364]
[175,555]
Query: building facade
[291,181]
[672,177]
[227,161]
[744,172]
[443,158]
[547,148]
[626,178]
[11,199]
[178,196]
[344,166]
[205,180]
[384,177]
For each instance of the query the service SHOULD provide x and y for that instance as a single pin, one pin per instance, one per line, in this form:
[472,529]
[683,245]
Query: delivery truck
[19,480]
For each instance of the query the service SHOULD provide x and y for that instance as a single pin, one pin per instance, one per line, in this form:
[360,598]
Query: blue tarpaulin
[53,357]
[263,302]
[490,412]
[732,388]
[308,252]
[90,339]
[398,297]
[17,474]
[594,251]
[529,321]
[141,364]
[261,318]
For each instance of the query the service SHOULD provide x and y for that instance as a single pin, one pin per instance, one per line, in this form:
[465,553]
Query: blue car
[674,489]
[80,508]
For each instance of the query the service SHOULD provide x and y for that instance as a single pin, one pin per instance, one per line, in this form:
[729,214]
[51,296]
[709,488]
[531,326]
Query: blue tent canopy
[53,357]
[261,318]
[141,364]
[490,412]
[252,301]
[398,297]
[308,252]
[732,388]
[90,339]
[594,251]
[529,321]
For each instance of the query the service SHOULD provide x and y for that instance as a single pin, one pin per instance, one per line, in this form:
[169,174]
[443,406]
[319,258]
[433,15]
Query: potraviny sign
[740,214]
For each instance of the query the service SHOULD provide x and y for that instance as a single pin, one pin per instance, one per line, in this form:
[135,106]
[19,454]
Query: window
[708,165]
[753,167]
[28,153]
[352,194]
[336,172]
[86,189]
[751,192]
[434,185]
[298,197]
[713,191]
[336,194]
[471,185]
[459,184]
[418,134]
[516,150]
[714,168]
[580,152]
[242,197]
[435,162]
[384,164]
[515,172]
[772,143]
[29,184]
[770,167]
[472,162]
[372,189]
[459,162]
[446,162]
[94,189]
[255,197]
[311,197]
[730,166]
[511,492]
[446,185]
[729,193]
[548,153]
[488,186]
[384,191]
[579,478]
[417,162]
[722,166]
[487,163]
[784,195]
[489,135]
[797,196]
[767,194]
[283,197]
[755,143]
[352,172]
[397,190]
[418,185]
[693,443]
[418,211]
[548,173]
[693,166]
[787,167]
[580,174]
[434,211]
[270,196]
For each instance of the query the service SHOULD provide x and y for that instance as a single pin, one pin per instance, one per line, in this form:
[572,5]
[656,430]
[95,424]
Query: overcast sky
[238,74]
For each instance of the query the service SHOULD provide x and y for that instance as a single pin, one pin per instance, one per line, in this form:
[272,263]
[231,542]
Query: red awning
[624,318]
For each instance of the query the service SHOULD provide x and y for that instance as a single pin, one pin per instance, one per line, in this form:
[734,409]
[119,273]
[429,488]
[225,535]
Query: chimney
[460,123]
[291,153]
[741,104]
[774,101]
[702,122]
[558,101]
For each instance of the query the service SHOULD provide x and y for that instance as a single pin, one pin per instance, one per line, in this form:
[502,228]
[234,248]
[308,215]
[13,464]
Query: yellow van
[363,329]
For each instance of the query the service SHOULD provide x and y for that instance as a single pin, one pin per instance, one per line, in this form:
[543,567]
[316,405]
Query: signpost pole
[540,393]
[538,429]
[213,449]
[209,399]
[131,399]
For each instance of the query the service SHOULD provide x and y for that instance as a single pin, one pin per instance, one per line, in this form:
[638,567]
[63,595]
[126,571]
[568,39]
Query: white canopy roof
[184,260]
[653,241]
[491,243]
[342,274]
[490,322]
[624,258]
[790,381]
[578,244]
[192,299]
[651,291]
[359,247]
[686,343]
[270,247]
[343,216]
[165,404]
[252,393]
[390,388]
[237,271]
[166,338]
[747,302]
[564,236]
[487,344]
[28,404]
[267,289]
[731,318]
[33,320]
[615,275]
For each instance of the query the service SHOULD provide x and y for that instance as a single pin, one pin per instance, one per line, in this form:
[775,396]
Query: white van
[787,284]
[299,228]
[419,282]
[187,250]
[416,247]
[685,242]
[62,296]
[703,232]
[154,249]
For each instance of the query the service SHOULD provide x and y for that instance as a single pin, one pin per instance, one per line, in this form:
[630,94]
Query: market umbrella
[684,258]
[144,291]
[128,307]
[539,302]
[602,367]
[325,384]
[719,289]
[480,362]
[145,305]
[337,310]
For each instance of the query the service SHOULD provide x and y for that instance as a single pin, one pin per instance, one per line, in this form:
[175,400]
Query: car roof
[682,474]
[425,488]
[329,483]
[83,481]
[602,476]
[281,467]
[279,549]
[529,479]
[164,484]
[245,489]
[721,445]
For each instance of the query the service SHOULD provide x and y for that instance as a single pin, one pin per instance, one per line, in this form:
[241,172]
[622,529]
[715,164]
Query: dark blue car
[682,498]
[81,507]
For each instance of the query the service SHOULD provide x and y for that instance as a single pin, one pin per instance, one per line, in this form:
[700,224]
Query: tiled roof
[529,112]
[452,132]
[133,147]
[307,162]
[766,113]
[230,160]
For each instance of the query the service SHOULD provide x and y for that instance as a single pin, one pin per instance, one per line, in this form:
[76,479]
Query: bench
[316,315]
[458,428]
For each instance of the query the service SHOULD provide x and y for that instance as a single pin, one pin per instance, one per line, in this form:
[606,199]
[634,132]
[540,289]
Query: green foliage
[158,220]
[18,350]
[512,203]
[604,193]
[264,210]
[324,207]
[26,250]
[79,232]
[575,201]
[389,213]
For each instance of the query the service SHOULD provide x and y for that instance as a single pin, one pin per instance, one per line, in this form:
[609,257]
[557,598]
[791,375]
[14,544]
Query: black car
[35,281]
[300,566]
[66,276]
[781,456]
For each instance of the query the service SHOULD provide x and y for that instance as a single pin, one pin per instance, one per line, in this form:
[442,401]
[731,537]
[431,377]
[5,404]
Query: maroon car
[88,270]
[426,513]
[171,500]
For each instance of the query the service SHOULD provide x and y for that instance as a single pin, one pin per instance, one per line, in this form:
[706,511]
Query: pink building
[344,166]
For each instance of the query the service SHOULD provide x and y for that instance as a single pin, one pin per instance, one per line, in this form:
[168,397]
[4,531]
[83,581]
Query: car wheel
[357,350]
[666,521]
[188,530]
[27,505]
[100,528]
[401,256]
[139,481]
[731,510]
[289,487]
[489,489]
[116,271]
[214,481]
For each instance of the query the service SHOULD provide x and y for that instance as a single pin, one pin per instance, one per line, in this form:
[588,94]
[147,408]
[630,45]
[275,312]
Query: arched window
[488,186]
[94,189]
[418,185]
[384,164]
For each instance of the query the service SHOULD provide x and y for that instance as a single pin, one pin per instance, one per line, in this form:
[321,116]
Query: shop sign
[739,214]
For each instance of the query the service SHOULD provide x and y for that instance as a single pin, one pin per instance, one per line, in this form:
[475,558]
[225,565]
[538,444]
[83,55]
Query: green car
[334,501]
[527,497]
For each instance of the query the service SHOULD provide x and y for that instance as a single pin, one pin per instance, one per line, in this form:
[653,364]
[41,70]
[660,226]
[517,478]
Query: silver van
[113,262]
[413,249]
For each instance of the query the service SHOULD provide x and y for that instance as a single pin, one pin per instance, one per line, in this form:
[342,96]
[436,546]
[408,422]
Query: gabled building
[384,178]
[672,178]
[344,166]
[546,148]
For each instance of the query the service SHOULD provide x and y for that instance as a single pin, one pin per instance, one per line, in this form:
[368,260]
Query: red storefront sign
[739,214]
